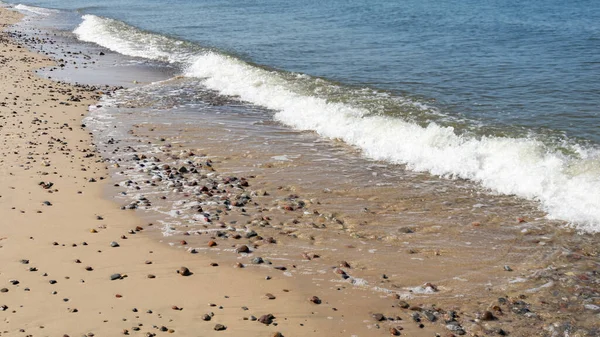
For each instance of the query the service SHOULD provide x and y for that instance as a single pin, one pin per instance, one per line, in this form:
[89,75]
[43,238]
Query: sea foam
[35,10]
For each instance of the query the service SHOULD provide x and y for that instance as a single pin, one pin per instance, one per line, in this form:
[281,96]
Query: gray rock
[115,277]
[220,327]
[251,234]
[429,315]
[114,244]
[455,328]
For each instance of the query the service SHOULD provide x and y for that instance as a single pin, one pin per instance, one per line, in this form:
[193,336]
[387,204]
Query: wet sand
[520,274]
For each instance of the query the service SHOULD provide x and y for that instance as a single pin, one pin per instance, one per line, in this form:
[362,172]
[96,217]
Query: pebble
[114,244]
[243,249]
[487,316]
[4,290]
[220,327]
[378,317]
[315,300]
[270,296]
[206,317]
[456,328]
[266,319]
[115,276]
[429,315]
[184,271]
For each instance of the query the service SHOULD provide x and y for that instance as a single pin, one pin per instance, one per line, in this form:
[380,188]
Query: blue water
[505,93]
[526,63]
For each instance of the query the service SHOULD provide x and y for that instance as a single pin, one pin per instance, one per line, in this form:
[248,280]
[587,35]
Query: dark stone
[183,271]
[266,319]
[378,317]
[220,327]
[487,316]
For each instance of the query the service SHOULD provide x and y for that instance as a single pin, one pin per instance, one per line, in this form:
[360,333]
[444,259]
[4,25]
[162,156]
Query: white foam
[35,10]
[119,37]
[566,186]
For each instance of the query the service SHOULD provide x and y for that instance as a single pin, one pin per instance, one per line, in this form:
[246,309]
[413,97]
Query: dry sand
[50,235]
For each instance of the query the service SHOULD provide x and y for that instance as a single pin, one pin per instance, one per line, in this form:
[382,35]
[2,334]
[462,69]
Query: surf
[565,183]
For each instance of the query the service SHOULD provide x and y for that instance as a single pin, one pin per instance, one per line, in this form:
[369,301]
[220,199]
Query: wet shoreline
[433,241]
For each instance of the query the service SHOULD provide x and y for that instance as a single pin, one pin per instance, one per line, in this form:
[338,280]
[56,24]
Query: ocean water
[503,93]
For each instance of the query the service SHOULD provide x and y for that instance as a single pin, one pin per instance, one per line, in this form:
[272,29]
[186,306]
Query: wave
[36,10]
[565,183]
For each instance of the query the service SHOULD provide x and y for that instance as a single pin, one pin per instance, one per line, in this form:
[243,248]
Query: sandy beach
[58,264]
[75,263]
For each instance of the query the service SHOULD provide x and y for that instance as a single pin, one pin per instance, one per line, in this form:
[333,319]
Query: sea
[503,96]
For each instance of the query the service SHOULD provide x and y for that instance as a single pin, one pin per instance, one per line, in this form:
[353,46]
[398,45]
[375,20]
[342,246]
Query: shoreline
[96,299]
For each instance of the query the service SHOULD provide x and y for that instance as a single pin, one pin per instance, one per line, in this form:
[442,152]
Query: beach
[274,253]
